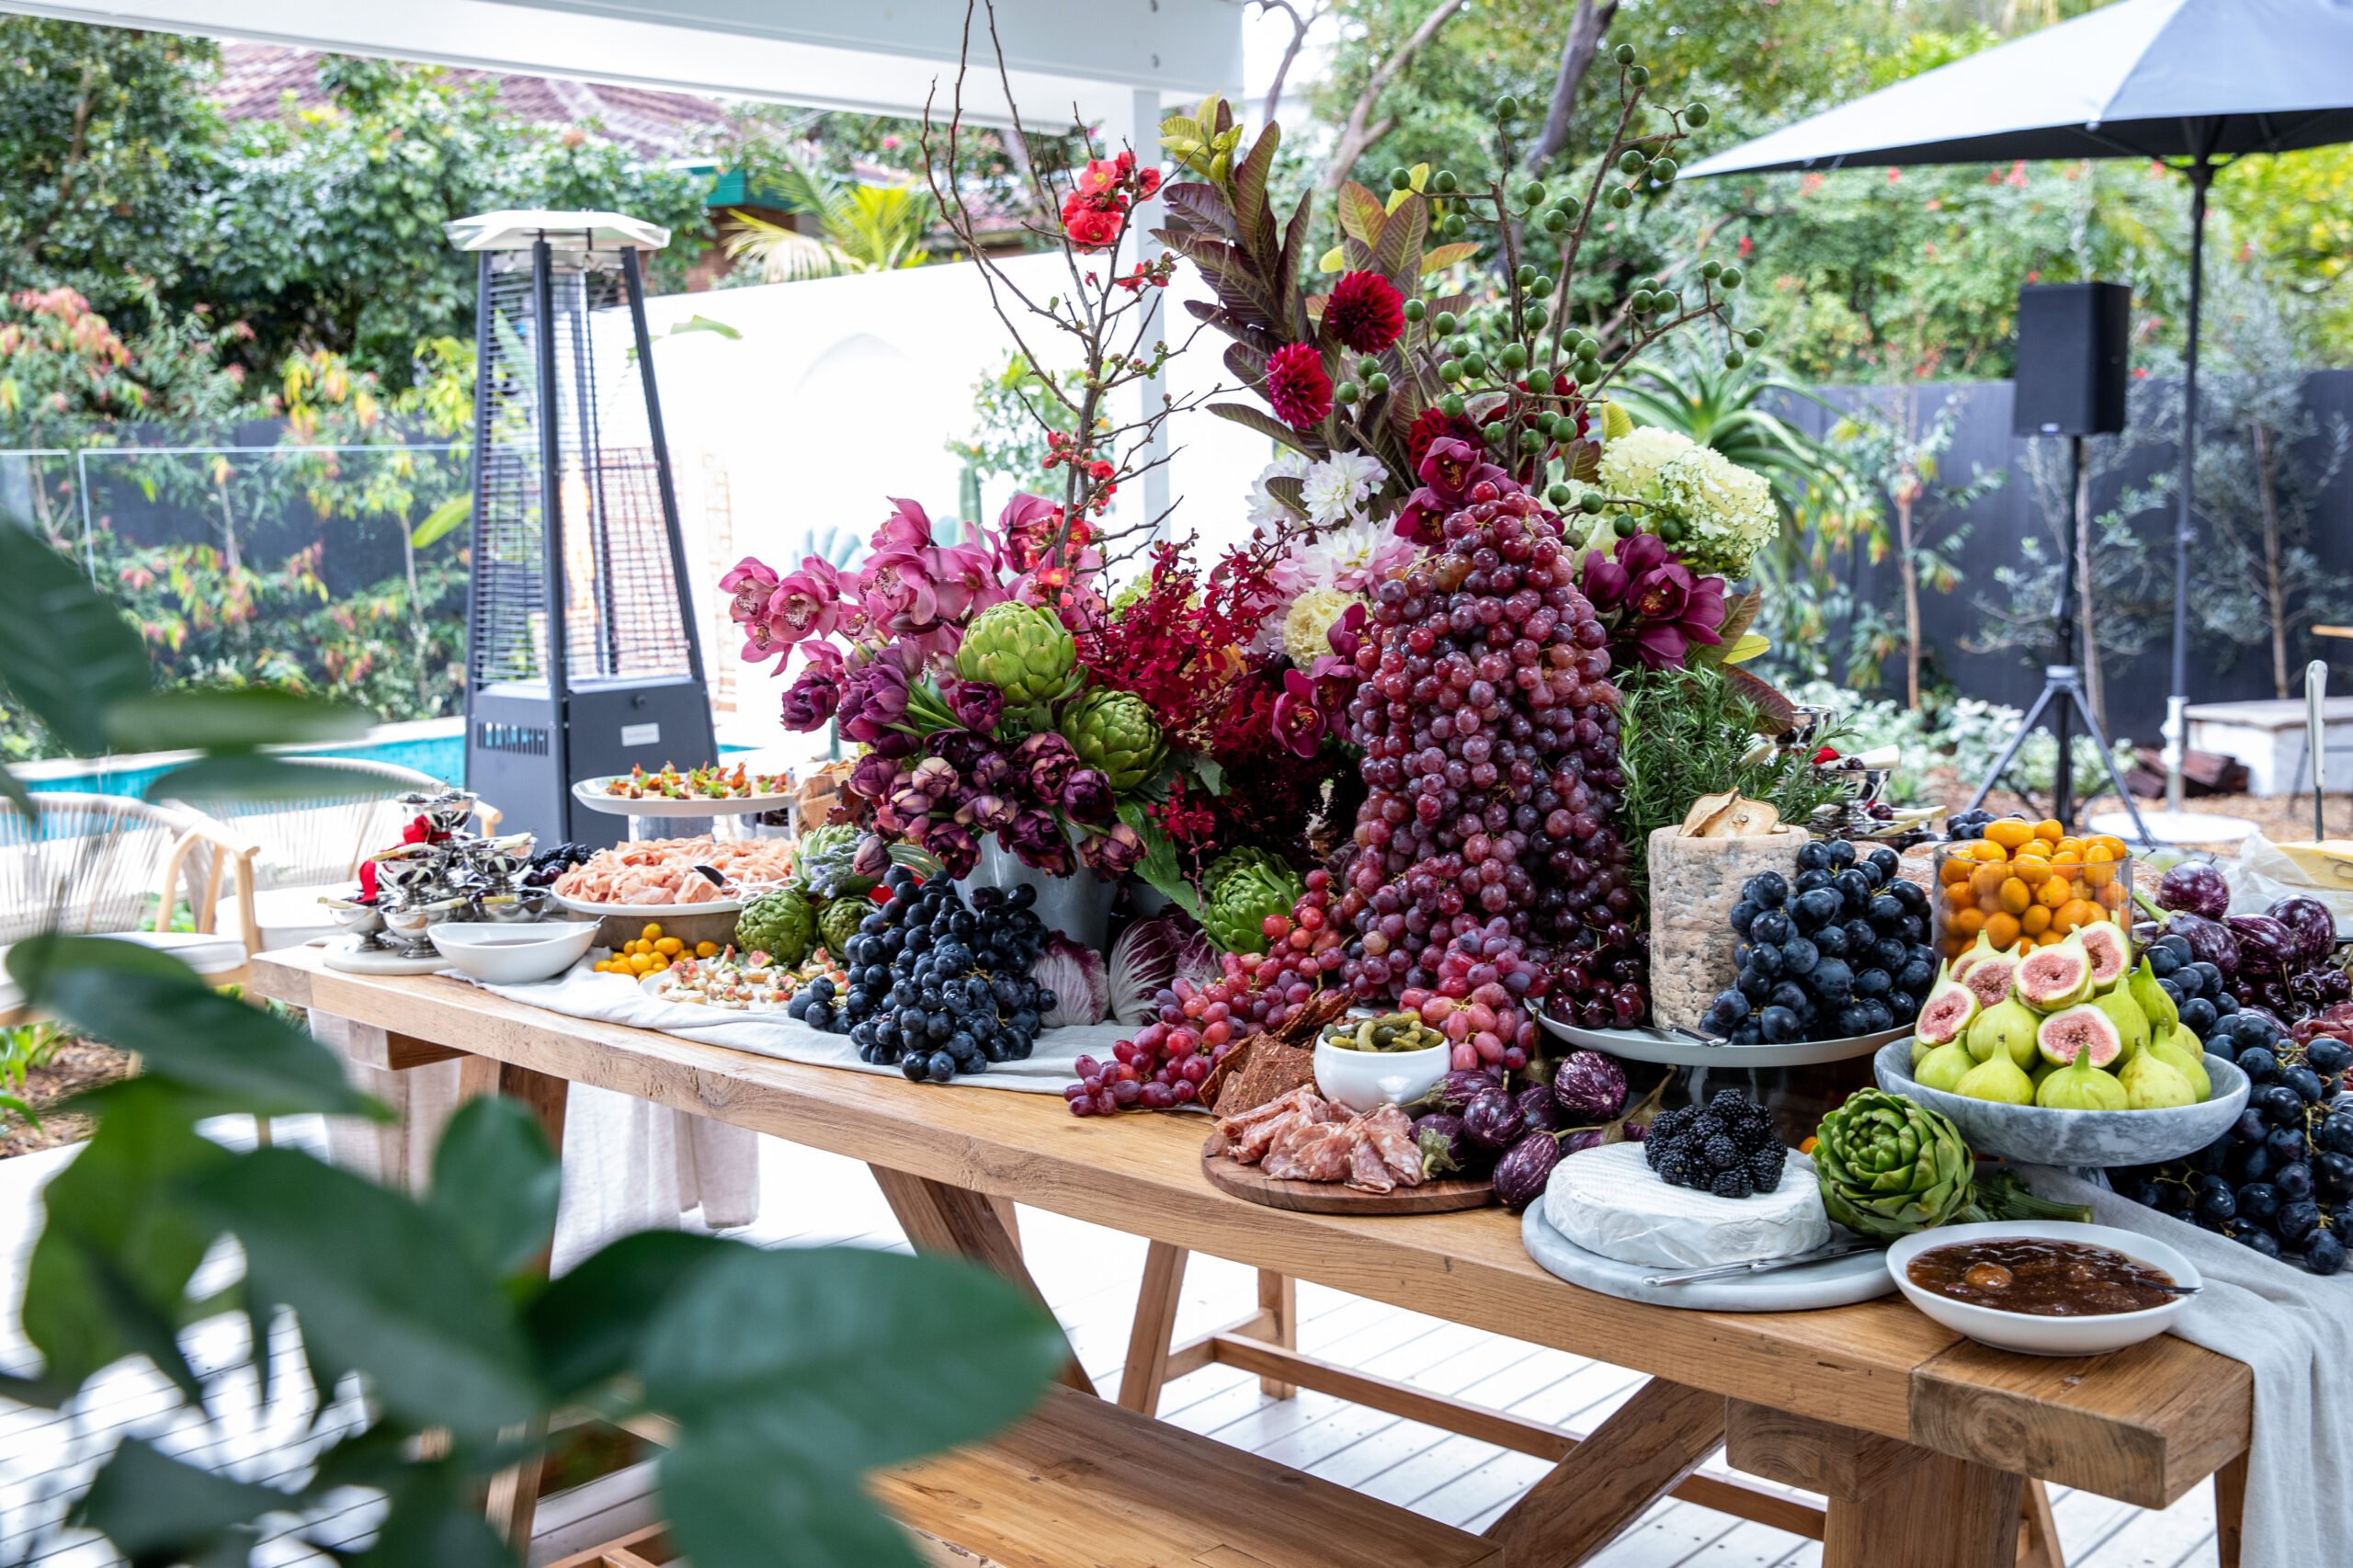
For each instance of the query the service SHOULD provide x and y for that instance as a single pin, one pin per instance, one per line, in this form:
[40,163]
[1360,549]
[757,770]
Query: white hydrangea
[1337,489]
[1265,510]
[1310,617]
[1630,464]
[1726,510]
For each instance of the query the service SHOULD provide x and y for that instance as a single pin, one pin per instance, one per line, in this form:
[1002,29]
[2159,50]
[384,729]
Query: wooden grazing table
[1921,1440]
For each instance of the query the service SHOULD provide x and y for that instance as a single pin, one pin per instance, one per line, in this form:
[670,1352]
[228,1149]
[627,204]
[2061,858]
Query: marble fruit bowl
[2076,1137]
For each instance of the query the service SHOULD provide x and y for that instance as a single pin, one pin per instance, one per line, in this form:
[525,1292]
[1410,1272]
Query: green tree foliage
[106,137]
[324,228]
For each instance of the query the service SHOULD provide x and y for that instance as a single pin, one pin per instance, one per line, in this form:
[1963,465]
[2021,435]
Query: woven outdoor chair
[291,852]
[112,866]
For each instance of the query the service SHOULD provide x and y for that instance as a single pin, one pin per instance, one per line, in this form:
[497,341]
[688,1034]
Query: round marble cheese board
[1836,1282]
[345,954]
[1659,1047]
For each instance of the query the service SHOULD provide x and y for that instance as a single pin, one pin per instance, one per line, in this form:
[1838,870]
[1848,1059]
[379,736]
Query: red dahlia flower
[1365,312]
[1297,386]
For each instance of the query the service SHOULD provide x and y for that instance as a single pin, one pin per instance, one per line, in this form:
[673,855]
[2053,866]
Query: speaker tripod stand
[2062,705]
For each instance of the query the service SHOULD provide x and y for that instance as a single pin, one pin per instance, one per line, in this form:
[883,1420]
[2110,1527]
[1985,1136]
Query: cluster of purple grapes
[1490,731]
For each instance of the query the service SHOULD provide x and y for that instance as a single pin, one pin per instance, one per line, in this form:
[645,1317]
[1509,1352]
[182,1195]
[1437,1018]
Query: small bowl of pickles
[1366,1062]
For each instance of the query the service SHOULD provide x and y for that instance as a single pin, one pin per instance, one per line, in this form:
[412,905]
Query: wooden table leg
[2039,1531]
[1890,1502]
[1631,1460]
[944,1219]
[1148,1341]
[1278,1301]
[2230,1509]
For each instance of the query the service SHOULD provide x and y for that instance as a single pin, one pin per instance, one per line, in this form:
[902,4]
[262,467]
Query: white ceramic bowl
[1364,1081]
[498,953]
[2026,1332]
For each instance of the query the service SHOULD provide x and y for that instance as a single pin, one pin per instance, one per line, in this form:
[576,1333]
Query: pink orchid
[1450,471]
[1300,720]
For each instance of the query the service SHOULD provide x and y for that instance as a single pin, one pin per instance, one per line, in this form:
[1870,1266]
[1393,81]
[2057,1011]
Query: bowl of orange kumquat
[2028,884]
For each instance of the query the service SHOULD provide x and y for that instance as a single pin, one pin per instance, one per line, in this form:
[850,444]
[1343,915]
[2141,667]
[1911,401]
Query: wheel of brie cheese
[1608,1200]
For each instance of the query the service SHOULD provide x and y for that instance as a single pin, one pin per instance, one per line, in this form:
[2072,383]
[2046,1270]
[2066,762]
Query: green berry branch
[1112,316]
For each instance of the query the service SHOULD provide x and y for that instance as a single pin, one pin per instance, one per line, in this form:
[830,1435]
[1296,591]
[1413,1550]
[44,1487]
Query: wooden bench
[1085,1481]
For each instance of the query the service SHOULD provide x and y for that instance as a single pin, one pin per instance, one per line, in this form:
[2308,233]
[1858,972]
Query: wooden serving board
[1442,1196]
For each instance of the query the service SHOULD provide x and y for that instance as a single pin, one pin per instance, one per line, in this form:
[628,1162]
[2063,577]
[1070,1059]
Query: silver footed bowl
[354,919]
[520,907]
[409,926]
[443,812]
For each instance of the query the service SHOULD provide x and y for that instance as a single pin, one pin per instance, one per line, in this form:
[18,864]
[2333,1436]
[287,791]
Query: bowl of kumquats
[2028,884]
[650,952]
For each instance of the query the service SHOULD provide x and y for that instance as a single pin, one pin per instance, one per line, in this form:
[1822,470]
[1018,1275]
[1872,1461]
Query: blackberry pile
[549,864]
[936,988]
[1727,1147]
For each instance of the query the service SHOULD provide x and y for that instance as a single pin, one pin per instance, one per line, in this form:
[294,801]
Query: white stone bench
[2269,737]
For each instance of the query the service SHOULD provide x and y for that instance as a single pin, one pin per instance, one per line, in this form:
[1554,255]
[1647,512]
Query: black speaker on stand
[2071,362]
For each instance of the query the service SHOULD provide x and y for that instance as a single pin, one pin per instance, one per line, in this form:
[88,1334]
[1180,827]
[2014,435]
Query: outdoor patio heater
[581,657]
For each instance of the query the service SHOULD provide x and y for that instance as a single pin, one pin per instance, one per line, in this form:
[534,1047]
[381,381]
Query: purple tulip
[958,851]
[896,743]
[1114,853]
[1086,796]
[875,700]
[977,704]
[985,813]
[817,694]
[937,778]
[873,777]
[1036,838]
[872,858]
[1047,761]
[991,771]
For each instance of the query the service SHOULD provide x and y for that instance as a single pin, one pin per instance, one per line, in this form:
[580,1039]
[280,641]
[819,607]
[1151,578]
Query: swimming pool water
[443,756]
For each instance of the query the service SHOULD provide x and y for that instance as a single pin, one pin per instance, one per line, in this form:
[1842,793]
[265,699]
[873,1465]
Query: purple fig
[2309,921]
[1521,1175]
[2196,887]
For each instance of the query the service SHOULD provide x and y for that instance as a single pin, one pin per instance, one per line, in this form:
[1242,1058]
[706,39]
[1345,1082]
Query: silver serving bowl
[409,926]
[407,873]
[362,920]
[521,907]
[444,812]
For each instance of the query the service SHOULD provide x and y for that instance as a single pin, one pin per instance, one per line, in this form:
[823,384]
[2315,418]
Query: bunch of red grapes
[1489,727]
[1165,1064]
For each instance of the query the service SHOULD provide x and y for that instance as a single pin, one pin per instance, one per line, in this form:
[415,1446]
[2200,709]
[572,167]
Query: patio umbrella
[2191,82]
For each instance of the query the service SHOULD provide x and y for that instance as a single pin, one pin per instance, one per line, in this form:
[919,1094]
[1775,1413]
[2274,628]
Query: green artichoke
[1239,890]
[1021,649]
[822,866]
[1115,730]
[838,922]
[1889,1168]
[781,923]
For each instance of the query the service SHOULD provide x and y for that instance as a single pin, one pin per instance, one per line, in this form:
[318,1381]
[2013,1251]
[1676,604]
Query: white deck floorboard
[1088,1275]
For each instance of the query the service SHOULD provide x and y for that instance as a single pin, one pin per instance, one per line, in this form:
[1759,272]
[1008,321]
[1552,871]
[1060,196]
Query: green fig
[2053,978]
[1920,1052]
[2131,1023]
[2043,1070]
[2080,1031]
[2155,1005]
[2150,1085]
[2188,1060]
[1996,1078]
[2009,1027]
[1943,1068]
[2079,1085]
[1946,1016]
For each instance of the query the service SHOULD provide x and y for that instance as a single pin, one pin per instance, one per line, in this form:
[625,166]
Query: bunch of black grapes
[933,987]
[2280,1180]
[1726,1147]
[1841,949]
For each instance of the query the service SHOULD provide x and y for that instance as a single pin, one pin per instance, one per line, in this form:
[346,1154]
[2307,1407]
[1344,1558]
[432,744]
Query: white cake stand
[661,817]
